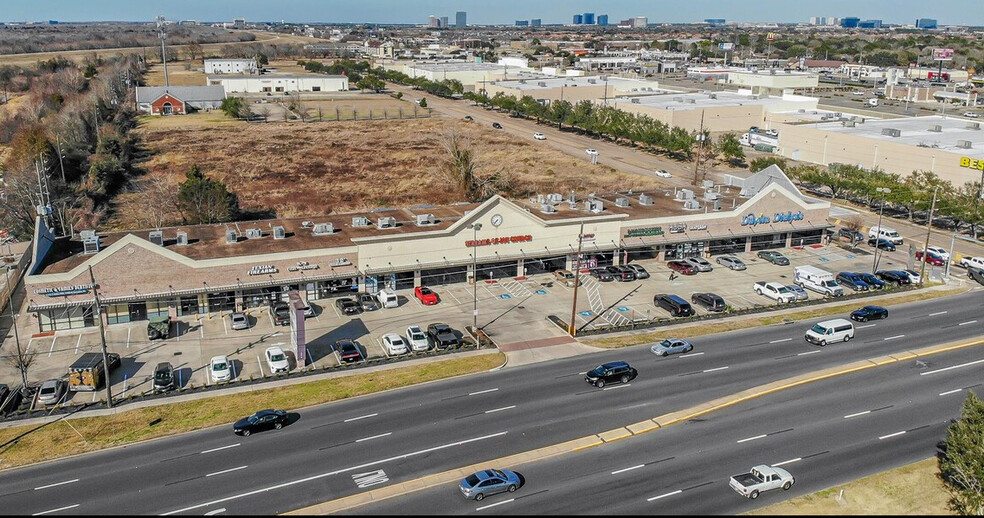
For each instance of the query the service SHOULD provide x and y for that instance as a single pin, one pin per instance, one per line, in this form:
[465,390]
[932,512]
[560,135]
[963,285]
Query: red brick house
[167,104]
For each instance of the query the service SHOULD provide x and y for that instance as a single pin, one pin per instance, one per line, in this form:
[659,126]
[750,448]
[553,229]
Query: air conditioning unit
[90,243]
[891,132]
[541,84]
[87,234]
[964,144]
[622,202]
[547,208]
[253,233]
[691,101]
[691,205]
[424,220]
[182,238]
[541,198]
[936,128]
[522,81]
[157,237]
[306,224]
[710,196]
[360,221]
[678,99]
[645,199]
[594,206]
[387,222]
[324,229]
[712,96]
[847,124]
[231,236]
[717,204]
[279,232]
[707,184]
[555,197]
[592,81]
[684,194]
[974,125]
[635,100]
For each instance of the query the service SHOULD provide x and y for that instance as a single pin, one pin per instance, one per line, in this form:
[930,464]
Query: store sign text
[698,227]
[971,163]
[779,217]
[643,232]
[678,228]
[302,265]
[498,241]
[64,291]
[262,270]
[587,237]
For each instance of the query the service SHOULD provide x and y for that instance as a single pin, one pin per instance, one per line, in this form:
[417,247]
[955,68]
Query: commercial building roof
[620,84]
[146,94]
[693,101]
[919,131]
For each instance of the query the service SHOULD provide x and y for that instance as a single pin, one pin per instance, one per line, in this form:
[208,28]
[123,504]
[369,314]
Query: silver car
[481,484]
[699,263]
[730,261]
[800,293]
[671,346]
[239,320]
[51,391]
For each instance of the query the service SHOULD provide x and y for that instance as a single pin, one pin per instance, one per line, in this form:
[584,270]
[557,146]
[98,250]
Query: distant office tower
[444,21]
[433,21]
[714,22]
[459,19]
[640,22]
[588,18]
[602,20]
[870,24]
[925,23]
[578,19]
[535,22]
[522,23]
[850,21]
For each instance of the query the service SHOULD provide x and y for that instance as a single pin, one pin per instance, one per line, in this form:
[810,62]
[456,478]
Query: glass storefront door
[66,318]
[685,250]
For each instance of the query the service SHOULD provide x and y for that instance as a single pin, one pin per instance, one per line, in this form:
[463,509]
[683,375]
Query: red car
[931,258]
[425,295]
[682,267]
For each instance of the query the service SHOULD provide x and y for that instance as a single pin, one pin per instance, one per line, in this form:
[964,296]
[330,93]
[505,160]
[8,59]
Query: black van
[674,304]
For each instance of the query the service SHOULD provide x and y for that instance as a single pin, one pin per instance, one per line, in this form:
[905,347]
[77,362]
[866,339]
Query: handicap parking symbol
[541,292]
[585,313]
[850,256]
[622,308]
[824,259]
[505,296]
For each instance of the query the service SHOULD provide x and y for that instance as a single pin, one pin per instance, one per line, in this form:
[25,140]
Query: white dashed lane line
[230,470]
[56,484]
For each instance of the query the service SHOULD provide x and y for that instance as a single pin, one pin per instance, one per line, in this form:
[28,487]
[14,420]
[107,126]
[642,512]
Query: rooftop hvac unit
[645,199]
[707,184]
[594,206]
[685,194]
[847,124]
[547,208]
[541,198]
[691,205]
[592,81]
[974,125]
[837,114]
[387,222]
[231,236]
[891,132]
[572,198]
[801,110]
[678,99]
[522,81]
[691,101]
[635,100]
[712,96]
[717,204]
[279,232]
[324,229]
[555,197]
[648,89]
[425,219]
[541,84]
[157,237]
[710,196]
[253,233]
[360,221]
[87,234]
[634,90]
[936,128]
[622,202]
[182,238]
[90,244]
[306,224]
[963,144]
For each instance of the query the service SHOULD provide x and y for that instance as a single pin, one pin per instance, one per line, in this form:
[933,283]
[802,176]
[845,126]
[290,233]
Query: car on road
[348,306]
[496,125]
[976,274]
[761,478]
[621,273]
[682,266]
[701,264]
[220,369]
[972,262]
[867,313]
[896,277]
[602,274]
[280,312]
[663,173]
[914,277]
[931,258]
[972,115]
[417,339]
[940,251]
[443,336]
[773,257]
[851,280]
[425,295]
[565,277]
[798,291]
[481,484]
[640,272]
[671,346]
[709,301]
[238,320]
[51,391]
[857,92]
[731,262]
[163,377]
[395,344]
[539,136]
[348,350]
[276,359]
[591,152]
[872,280]
[881,244]
[262,420]
[611,372]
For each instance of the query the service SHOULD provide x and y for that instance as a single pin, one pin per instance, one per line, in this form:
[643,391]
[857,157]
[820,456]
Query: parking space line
[77,342]
[201,328]
[29,342]
[260,363]
[53,338]
[225,327]
[128,336]
[380,344]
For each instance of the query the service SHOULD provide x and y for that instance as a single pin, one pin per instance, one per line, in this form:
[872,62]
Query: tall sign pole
[929,230]
[572,328]
[102,337]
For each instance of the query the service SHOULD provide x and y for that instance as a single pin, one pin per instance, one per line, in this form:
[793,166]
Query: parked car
[709,301]
[469,118]
[852,280]
[348,306]
[395,344]
[682,266]
[565,277]
[972,115]
[872,280]
[671,346]
[850,234]
[481,484]
[773,257]
[620,273]
[276,359]
[368,302]
[701,264]
[798,291]
[262,420]
[220,369]
[425,295]
[539,136]
[51,391]
[612,372]
[663,173]
[881,244]
[940,251]
[931,258]
[602,274]
[591,151]
[309,310]
[163,377]
[417,339]
[443,336]
[280,312]
[674,304]
[640,272]
[976,274]
[914,277]
[899,278]
[496,125]
[239,320]
[867,313]
[348,351]
[731,262]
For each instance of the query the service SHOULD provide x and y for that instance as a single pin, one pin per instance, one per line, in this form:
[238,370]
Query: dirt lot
[177,74]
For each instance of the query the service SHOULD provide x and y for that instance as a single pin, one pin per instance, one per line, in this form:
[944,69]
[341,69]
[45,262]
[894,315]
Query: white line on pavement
[616,386]
[937,313]
[677,492]
[716,369]
[954,391]
[215,512]
[808,352]
[686,356]
[360,417]
[374,437]
[226,471]
[752,438]
[864,326]
[77,342]
[951,367]
[221,448]
[486,391]
[783,340]
[790,461]
[893,337]
[500,409]
[965,323]
[891,435]
[53,338]
[128,336]
[616,472]
[848,416]
[55,510]
[56,484]
[495,504]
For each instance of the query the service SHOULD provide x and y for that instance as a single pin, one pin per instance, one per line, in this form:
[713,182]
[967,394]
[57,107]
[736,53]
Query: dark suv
[442,336]
[674,304]
[850,235]
[621,273]
[280,312]
[710,301]
[612,372]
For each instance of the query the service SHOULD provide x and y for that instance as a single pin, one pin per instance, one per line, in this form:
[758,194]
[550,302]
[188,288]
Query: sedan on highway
[671,346]
[611,372]
[395,344]
[481,484]
[539,136]
[972,115]
[262,420]
[869,313]
[731,262]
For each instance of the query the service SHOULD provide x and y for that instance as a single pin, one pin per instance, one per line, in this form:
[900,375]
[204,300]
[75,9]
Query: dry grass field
[177,74]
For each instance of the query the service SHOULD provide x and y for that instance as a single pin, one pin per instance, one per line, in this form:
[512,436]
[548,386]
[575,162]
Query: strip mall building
[205,269]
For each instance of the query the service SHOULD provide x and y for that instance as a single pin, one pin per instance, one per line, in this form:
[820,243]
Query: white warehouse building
[230,66]
[280,84]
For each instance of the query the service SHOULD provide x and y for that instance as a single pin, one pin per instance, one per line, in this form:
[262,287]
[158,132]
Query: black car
[869,313]
[621,273]
[850,235]
[348,306]
[774,257]
[262,420]
[709,301]
[612,372]
[442,336]
[976,273]
[496,125]
[894,276]
[348,351]
[368,302]
[280,312]
[163,377]
[602,274]
[881,243]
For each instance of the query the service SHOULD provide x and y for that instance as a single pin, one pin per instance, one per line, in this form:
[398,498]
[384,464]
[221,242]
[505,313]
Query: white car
[591,151]
[395,344]
[857,92]
[972,115]
[276,359]
[662,173]
[940,251]
[417,339]
[220,369]
[972,262]
[539,136]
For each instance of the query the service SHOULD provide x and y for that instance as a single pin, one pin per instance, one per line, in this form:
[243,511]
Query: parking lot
[510,310]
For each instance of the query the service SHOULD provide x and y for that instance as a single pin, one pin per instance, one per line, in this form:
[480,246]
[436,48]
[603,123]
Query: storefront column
[416,278]
[521,266]
[748,244]
[789,239]
[617,257]
[240,305]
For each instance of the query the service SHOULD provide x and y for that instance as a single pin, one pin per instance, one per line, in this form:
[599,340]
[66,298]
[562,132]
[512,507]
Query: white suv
[539,136]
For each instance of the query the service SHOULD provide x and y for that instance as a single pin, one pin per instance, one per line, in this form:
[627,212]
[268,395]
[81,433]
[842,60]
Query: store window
[727,246]
[222,301]
[439,276]
[66,318]
[807,237]
[158,308]
[332,288]
[544,265]
[500,270]
[768,241]
[118,313]
[188,305]
[684,250]
[639,254]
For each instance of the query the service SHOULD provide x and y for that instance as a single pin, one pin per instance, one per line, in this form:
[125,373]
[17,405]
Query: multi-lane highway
[357,445]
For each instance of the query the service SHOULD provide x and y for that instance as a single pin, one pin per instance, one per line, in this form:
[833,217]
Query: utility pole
[13,325]
[163,35]
[700,146]
[102,337]
[60,162]
[572,328]
[881,210]
[929,229]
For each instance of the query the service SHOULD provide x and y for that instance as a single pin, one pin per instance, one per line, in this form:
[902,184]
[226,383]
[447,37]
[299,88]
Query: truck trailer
[87,374]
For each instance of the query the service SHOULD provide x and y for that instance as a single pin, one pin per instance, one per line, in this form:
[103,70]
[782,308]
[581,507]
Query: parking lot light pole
[475,228]
[881,210]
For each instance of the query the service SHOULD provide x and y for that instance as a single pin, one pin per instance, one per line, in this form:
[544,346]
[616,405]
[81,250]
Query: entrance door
[138,311]
[167,109]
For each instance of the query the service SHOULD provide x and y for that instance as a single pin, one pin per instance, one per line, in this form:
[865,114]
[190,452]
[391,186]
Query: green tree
[234,107]
[761,163]
[203,200]
[730,148]
[371,82]
[961,459]
[423,102]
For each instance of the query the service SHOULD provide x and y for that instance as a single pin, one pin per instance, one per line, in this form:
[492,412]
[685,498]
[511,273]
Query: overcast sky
[953,12]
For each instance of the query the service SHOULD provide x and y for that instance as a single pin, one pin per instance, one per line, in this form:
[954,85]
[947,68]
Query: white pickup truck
[761,478]
[775,291]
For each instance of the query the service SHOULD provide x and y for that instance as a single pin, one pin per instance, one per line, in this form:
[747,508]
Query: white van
[872,102]
[387,299]
[836,330]
[818,280]
[885,233]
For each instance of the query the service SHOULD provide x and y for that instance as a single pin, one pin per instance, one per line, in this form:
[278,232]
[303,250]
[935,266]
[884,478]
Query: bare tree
[463,168]
[264,111]
[158,196]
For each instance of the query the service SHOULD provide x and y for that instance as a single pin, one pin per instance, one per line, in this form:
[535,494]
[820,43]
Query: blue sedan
[873,281]
[852,280]
[869,313]
[480,484]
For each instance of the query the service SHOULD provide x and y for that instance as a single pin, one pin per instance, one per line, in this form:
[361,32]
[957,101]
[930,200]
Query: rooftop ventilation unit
[360,221]
[306,224]
[974,125]
[691,205]
[707,184]
[547,208]
[622,202]
[936,128]
[231,236]
[717,204]
[324,229]
[691,101]
[684,194]
[594,206]
[645,199]
[891,132]
[541,198]
[182,238]
[712,96]
[90,242]
[522,81]
[555,197]
[541,84]
[387,222]
[592,81]
[424,220]
[157,237]
[635,100]
[964,144]
[837,114]
[87,234]
[279,232]
[847,124]
[253,233]
[710,196]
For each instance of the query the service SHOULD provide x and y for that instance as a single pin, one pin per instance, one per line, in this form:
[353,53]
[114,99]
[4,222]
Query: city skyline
[505,12]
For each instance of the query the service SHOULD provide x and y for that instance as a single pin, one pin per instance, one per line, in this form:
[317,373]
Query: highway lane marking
[336,472]
[716,369]
[56,510]
[360,417]
[790,461]
[960,324]
[864,326]
[482,392]
[226,471]
[954,391]
[690,355]
[808,352]
[951,367]
[56,484]
[892,337]
[215,512]
[891,435]
[616,472]
[495,504]
[677,492]
[857,414]
[374,437]
[617,386]
[220,448]
[753,438]
[500,409]
[937,313]
[782,340]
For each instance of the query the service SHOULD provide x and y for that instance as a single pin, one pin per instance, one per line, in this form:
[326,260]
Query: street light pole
[475,228]
[102,337]
[929,229]
[881,210]
[13,325]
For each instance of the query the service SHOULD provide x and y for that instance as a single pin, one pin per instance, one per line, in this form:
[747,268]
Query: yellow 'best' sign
[971,163]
